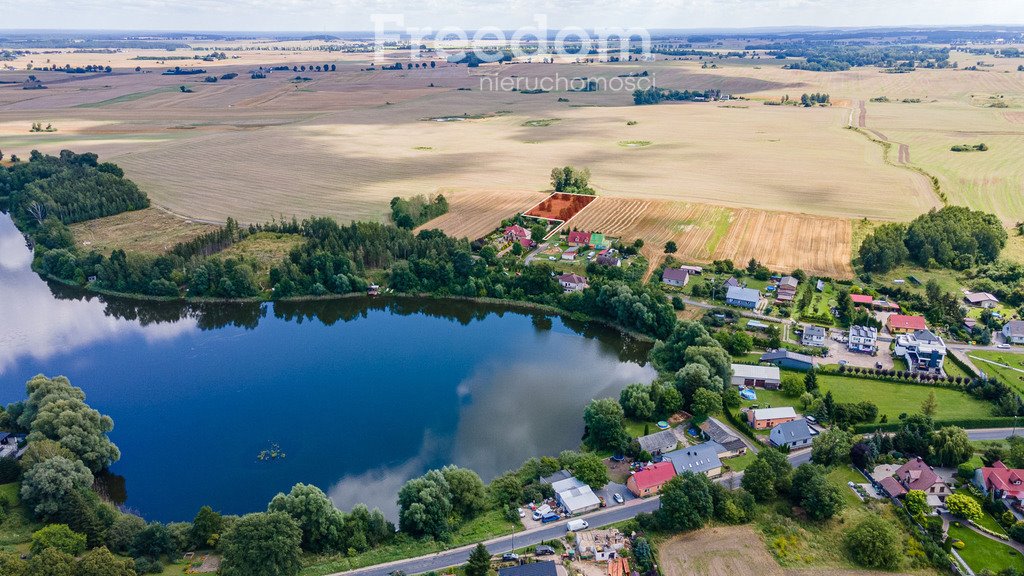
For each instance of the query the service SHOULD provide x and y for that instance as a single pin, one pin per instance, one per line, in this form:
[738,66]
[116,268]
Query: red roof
[517,231]
[862,299]
[894,488]
[576,237]
[1009,480]
[917,475]
[901,322]
[526,242]
[655,475]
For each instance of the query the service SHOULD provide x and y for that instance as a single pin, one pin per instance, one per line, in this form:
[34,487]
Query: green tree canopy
[832,447]
[425,506]
[101,562]
[479,563]
[875,543]
[321,523]
[605,427]
[49,487]
[58,536]
[262,544]
[469,495]
[964,506]
[686,502]
[952,446]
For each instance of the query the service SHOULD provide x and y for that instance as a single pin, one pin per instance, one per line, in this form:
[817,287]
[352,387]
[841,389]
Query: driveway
[838,351]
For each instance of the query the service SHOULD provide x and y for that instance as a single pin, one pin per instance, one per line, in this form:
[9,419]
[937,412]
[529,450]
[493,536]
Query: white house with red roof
[577,238]
[516,233]
[573,282]
[1004,482]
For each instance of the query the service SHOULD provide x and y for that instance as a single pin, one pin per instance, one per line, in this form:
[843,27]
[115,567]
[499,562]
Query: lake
[358,394]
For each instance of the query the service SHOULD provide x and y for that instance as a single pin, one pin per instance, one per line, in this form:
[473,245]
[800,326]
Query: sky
[356,15]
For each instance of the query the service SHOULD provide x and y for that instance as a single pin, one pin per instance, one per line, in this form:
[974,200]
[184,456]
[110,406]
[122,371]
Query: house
[863,339]
[598,241]
[743,297]
[732,282]
[516,233]
[923,350]
[788,359]
[578,239]
[675,277]
[600,545]
[820,286]
[573,282]
[575,496]
[762,418]
[712,429]
[886,306]
[569,254]
[917,475]
[659,442]
[794,434]
[1013,331]
[692,270]
[698,459]
[1004,482]
[756,325]
[530,569]
[900,324]
[786,290]
[648,481]
[970,323]
[813,336]
[862,300]
[609,260]
[981,299]
[767,377]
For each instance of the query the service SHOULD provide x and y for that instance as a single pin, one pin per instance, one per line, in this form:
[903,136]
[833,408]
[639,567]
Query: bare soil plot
[560,206]
[150,231]
[732,551]
[474,213]
[785,241]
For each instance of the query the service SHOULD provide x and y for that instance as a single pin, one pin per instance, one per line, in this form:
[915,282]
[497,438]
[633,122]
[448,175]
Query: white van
[540,512]
[576,525]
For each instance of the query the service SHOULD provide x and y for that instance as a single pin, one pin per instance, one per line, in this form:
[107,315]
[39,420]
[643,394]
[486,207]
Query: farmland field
[149,231]
[472,214]
[560,206]
[785,241]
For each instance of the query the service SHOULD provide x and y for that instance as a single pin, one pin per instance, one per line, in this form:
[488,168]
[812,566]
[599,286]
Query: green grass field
[891,398]
[982,553]
[1008,376]
[16,528]
[839,476]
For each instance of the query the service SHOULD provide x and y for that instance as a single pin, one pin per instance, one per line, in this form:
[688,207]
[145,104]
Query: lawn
[983,553]
[947,279]
[893,399]
[1008,376]
[839,476]
[740,462]
[16,528]
[484,527]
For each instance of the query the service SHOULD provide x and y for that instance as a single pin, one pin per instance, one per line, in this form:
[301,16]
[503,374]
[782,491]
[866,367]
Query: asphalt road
[555,530]
[597,519]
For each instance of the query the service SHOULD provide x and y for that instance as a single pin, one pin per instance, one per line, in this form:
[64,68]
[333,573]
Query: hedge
[873,374]
[962,365]
[968,423]
[741,426]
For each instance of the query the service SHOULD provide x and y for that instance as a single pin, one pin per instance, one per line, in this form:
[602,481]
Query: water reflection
[362,394]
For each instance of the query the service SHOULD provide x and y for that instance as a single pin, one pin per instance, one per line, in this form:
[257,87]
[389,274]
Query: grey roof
[1014,328]
[570,483]
[721,434]
[864,331]
[756,372]
[784,355]
[926,336]
[975,297]
[697,459]
[732,281]
[531,569]
[789,282]
[742,294]
[659,441]
[810,330]
[560,475]
[675,274]
[579,498]
[787,432]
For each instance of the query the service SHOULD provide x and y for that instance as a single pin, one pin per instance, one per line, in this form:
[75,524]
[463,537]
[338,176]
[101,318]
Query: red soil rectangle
[560,206]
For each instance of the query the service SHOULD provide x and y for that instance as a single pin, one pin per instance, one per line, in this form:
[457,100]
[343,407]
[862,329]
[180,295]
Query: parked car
[1004,346]
[522,513]
[617,497]
[549,517]
[811,419]
[510,557]
[543,550]
[552,258]
[541,511]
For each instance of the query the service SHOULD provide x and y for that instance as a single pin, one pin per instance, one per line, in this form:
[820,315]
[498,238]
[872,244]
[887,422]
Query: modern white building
[923,350]
[813,336]
[863,339]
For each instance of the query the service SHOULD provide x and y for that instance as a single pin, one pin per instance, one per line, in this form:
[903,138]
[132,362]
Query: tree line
[411,212]
[952,237]
[654,95]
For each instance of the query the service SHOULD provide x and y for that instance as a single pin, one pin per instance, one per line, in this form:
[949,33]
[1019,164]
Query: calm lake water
[360,394]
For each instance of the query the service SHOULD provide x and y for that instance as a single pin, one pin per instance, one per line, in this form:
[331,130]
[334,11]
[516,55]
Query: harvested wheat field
[733,551]
[150,231]
[784,241]
[695,228]
[472,214]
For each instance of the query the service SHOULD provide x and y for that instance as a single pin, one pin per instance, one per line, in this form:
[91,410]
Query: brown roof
[916,475]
